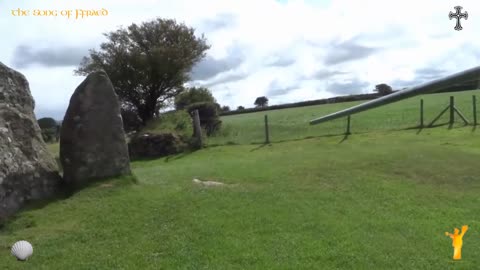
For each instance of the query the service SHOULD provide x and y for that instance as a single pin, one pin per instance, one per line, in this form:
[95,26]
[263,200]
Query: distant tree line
[304,103]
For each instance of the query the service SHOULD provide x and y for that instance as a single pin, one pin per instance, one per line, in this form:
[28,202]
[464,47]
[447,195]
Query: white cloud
[367,42]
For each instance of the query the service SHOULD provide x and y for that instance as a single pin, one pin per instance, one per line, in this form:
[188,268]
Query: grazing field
[293,123]
[377,200]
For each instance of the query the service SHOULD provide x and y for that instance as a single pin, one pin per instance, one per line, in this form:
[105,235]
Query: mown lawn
[380,200]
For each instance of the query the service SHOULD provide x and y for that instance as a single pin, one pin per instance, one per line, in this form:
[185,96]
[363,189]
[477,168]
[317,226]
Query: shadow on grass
[179,156]
[310,137]
[418,129]
[170,157]
[224,144]
[261,146]
[30,206]
[345,137]
[64,192]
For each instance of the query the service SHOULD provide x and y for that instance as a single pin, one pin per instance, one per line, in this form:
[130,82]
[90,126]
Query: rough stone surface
[155,145]
[92,140]
[27,170]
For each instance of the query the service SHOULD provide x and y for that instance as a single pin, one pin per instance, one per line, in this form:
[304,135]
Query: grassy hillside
[291,124]
[378,200]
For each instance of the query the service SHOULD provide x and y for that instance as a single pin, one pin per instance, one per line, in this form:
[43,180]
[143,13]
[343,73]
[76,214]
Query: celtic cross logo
[458,15]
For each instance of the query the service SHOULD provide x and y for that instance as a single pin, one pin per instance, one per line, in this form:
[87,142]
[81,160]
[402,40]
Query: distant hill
[461,87]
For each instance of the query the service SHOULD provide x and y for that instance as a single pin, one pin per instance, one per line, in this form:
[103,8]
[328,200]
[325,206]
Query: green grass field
[293,123]
[382,198]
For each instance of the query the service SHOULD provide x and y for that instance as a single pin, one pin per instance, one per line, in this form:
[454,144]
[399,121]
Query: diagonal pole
[438,117]
[461,115]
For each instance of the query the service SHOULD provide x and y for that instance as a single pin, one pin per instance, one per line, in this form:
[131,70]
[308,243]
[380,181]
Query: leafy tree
[225,109]
[193,95]
[130,118]
[147,63]
[261,101]
[47,122]
[240,108]
[383,89]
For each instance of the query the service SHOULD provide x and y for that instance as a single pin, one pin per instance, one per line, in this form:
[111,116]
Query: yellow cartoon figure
[457,241]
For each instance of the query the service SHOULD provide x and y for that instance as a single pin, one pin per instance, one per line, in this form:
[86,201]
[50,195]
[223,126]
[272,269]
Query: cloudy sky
[288,50]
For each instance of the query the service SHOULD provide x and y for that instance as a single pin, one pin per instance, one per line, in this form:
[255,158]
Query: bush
[209,118]
[49,134]
[148,145]
[178,122]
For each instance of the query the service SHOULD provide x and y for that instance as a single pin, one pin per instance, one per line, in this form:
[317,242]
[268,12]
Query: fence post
[348,125]
[421,113]
[197,129]
[267,134]
[452,110]
[474,101]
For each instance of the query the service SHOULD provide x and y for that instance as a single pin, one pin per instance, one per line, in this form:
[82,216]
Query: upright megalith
[27,170]
[92,140]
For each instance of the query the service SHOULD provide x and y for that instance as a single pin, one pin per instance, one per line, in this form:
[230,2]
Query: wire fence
[293,123]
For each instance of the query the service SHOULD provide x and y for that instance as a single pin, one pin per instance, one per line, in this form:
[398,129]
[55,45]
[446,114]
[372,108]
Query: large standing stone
[92,140]
[27,170]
